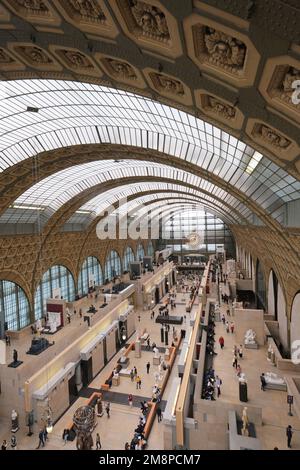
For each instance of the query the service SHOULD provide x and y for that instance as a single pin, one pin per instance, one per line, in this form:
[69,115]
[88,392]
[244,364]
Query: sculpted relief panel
[280,85]
[34,56]
[35,11]
[150,24]
[120,70]
[76,61]
[221,50]
[90,16]
[8,62]
[272,139]
[168,86]
[219,109]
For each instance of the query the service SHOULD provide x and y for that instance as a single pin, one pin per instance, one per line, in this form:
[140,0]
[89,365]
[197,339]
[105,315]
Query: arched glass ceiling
[143,205]
[98,205]
[73,113]
[56,190]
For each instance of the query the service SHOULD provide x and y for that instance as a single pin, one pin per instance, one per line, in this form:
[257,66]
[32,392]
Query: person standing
[98,442]
[41,439]
[221,342]
[138,382]
[234,361]
[289,435]
[238,370]
[13,442]
[130,399]
[241,352]
[139,318]
[4,445]
[148,343]
[127,446]
[227,326]
[148,367]
[263,382]
[223,318]
[107,409]
[132,375]
[232,327]
[159,414]
[135,371]
[218,385]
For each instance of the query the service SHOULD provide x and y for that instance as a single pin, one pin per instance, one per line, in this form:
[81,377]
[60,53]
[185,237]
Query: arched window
[128,258]
[90,275]
[56,277]
[112,265]
[140,253]
[15,306]
[150,249]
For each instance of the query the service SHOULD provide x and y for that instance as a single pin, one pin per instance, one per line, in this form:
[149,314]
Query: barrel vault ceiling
[232,65]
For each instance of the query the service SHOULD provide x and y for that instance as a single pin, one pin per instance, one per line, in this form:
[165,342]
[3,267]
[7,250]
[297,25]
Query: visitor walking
[223,318]
[240,352]
[65,436]
[159,414]
[107,409]
[130,399]
[98,442]
[41,439]
[232,327]
[238,370]
[132,375]
[148,343]
[263,382]
[135,371]
[289,435]
[148,367]
[227,326]
[234,361]
[139,318]
[221,342]
[218,385]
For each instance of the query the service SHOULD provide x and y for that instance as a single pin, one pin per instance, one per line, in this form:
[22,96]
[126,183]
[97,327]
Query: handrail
[179,410]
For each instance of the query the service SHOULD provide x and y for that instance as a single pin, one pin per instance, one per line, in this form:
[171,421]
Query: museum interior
[149,225]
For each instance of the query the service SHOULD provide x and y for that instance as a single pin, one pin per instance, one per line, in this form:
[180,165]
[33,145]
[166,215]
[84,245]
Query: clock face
[194,240]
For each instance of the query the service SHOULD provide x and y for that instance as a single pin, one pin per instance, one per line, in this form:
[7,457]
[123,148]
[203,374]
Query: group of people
[139,442]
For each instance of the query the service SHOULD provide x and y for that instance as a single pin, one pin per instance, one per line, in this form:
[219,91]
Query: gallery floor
[119,428]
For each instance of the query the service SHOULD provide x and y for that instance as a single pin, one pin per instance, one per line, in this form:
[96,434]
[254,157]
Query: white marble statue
[250,336]
[242,378]
[273,378]
[156,352]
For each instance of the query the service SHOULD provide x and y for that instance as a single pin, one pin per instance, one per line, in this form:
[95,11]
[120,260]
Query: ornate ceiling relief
[120,70]
[35,11]
[34,56]
[149,24]
[90,16]
[279,85]
[76,61]
[272,139]
[222,50]
[219,109]
[168,86]
[7,62]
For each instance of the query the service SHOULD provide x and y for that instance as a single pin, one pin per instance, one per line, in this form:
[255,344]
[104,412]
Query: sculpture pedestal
[116,380]
[251,346]
[243,391]
[137,349]
[156,361]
